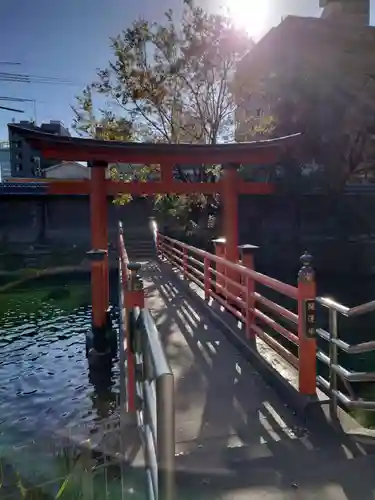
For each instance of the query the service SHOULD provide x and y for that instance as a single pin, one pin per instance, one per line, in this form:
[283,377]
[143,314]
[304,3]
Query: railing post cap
[306,272]
[246,249]
[96,254]
[219,241]
[306,259]
[134,266]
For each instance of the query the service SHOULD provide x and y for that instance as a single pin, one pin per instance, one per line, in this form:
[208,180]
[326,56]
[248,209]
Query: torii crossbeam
[98,153]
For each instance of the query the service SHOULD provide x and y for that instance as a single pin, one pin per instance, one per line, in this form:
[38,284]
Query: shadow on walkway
[235,437]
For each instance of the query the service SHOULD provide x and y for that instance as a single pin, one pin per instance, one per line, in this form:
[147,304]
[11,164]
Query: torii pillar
[230,198]
[230,211]
[99,246]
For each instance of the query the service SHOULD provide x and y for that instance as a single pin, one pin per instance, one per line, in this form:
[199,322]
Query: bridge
[219,362]
[223,380]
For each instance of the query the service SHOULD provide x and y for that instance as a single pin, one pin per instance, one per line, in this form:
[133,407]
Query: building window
[19,167]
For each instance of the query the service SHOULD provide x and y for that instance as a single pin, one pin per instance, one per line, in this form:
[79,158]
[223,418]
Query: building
[70,170]
[347,11]
[5,168]
[27,162]
[342,32]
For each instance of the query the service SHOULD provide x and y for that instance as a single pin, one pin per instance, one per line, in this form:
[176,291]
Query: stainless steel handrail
[154,386]
[344,310]
[336,370]
[156,412]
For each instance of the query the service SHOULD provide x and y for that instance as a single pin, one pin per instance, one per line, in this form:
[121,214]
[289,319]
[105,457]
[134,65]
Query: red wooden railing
[234,286]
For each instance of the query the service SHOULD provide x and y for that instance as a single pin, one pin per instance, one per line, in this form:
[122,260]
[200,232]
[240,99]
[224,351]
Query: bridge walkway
[235,437]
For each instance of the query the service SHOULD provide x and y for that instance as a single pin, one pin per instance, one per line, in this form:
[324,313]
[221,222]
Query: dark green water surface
[47,390]
[44,379]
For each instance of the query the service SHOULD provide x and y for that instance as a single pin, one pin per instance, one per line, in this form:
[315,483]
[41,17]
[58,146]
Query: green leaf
[62,488]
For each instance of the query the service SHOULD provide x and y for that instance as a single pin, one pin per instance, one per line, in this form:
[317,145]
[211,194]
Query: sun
[251,15]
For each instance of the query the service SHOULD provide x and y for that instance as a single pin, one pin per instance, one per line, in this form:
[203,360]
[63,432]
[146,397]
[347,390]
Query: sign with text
[309,314]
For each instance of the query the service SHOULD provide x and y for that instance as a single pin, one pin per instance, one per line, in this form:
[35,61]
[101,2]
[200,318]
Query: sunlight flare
[251,15]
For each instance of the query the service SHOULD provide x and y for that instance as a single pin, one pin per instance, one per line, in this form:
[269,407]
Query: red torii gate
[98,153]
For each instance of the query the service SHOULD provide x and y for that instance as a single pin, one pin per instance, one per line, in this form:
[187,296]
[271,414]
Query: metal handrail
[336,370]
[347,311]
[155,412]
[153,382]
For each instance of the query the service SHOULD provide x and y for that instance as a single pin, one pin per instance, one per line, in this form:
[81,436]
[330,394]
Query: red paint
[230,223]
[307,346]
[238,153]
[220,268]
[248,261]
[166,173]
[99,240]
[113,188]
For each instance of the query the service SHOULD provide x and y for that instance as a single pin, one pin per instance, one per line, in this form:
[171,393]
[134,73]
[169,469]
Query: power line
[11,109]
[25,78]
[15,99]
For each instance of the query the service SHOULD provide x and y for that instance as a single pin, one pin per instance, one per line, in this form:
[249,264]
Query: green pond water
[47,393]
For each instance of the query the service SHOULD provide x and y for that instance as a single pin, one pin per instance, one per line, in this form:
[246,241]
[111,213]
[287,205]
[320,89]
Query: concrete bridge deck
[236,437]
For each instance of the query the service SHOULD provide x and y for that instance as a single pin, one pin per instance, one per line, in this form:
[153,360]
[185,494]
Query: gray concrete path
[235,438]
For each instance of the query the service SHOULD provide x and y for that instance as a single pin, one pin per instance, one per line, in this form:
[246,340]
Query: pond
[46,388]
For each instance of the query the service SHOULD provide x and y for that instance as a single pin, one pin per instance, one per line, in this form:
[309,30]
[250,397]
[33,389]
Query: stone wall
[62,220]
[339,233]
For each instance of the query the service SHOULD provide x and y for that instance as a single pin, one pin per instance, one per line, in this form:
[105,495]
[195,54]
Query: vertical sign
[310,318]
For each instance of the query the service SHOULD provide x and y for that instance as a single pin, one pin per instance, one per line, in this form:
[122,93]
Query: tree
[331,101]
[171,81]
[105,124]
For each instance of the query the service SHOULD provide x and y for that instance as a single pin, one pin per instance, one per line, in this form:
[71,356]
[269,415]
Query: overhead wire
[16,99]
[26,78]
[12,77]
[12,109]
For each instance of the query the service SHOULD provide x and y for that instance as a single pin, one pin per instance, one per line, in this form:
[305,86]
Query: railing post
[166,437]
[207,278]
[134,297]
[220,268]
[307,326]
[247,258]
[154,230]
[333,359]
[99,305]
[184,262]
[157,243]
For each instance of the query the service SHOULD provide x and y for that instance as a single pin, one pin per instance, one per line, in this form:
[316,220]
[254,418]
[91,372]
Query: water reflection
[45,381]
[105,395]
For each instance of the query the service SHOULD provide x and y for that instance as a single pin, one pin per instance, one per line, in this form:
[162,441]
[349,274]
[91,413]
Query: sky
[70,39]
